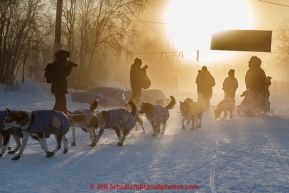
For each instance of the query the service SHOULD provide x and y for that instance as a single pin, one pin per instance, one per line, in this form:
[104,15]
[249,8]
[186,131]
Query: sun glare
[192,22]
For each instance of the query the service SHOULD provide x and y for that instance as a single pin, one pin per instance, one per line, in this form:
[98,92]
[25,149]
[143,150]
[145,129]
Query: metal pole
[57,44]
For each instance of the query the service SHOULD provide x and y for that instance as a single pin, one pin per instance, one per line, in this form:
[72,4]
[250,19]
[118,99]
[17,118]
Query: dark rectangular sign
[242,40]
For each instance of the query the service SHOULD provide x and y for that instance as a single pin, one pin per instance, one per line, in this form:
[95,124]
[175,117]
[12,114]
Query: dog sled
[254,103]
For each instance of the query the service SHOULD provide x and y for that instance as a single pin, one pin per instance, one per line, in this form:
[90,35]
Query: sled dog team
[40,124]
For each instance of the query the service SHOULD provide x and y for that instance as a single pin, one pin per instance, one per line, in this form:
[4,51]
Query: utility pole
[57,44]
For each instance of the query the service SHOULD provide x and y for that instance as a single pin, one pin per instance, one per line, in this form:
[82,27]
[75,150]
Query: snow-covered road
[243,154]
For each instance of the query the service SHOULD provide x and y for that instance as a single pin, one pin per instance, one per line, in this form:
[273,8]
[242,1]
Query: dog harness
[120,117]
[43,121]
[160,112]
[12,131]
[87,114]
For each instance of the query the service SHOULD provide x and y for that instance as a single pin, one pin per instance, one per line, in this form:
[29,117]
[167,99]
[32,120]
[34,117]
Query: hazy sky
[238,14]
[190,23]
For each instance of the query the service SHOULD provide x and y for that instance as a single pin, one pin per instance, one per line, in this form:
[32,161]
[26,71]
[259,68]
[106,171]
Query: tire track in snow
[242,149]
[212,177]
[275,150]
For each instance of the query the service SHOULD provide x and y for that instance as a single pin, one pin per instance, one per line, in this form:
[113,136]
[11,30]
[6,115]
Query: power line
[273,3]
[148,26]
[175,53]
[180,53]
[165,53]
[153,22]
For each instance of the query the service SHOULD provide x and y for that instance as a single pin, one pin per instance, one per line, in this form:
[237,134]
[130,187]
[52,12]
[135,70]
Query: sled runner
[254,103]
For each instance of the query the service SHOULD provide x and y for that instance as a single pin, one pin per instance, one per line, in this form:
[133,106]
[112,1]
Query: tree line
[98,33]
[92,30]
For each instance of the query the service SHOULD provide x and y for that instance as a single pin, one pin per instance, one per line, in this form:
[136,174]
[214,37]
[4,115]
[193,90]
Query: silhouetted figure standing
[230,86]
[255,79]
[205,83]
[137,78]
[62,69]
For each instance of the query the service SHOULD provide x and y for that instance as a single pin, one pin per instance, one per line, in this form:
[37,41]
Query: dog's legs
[193,122]
[183,120]
[198,119]
[139,120]
[154,128]
[188,119]
[141,124]
[24,143]
[231,112]
[4,143]
[195,118]
[125,133]
[117,131]
[59,139]
[73,136]
[100,132]
[119,136]
[1,140]
[42,140]
[58,145]
[18,144]
[158,126]
[200,115]
[92,134]
[64,140]
[225,115]
[164,127]
[135,121]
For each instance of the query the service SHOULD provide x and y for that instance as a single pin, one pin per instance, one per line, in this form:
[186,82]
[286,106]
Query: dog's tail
[94,105]
[172,103]
[133,108]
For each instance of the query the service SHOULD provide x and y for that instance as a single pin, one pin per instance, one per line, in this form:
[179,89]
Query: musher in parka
[137,77]
[205,83]
[59,86]
[255,79]
[230,86]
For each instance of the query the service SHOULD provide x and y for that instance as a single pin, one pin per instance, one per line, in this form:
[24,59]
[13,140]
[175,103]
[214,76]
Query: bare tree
[69,15]
[95,30]
[23,27]
[282,45]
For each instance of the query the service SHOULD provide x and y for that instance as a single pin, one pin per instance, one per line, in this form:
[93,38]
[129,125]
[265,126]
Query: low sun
[191,22]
